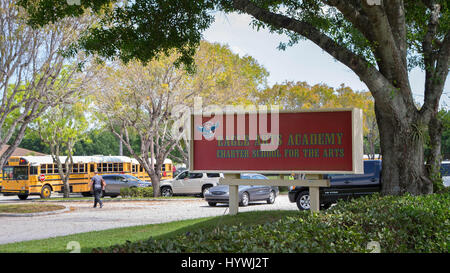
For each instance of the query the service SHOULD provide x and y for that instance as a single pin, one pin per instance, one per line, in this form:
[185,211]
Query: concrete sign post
[308,142]
[313,184]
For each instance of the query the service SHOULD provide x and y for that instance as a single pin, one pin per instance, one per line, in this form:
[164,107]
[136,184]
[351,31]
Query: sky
[304,61]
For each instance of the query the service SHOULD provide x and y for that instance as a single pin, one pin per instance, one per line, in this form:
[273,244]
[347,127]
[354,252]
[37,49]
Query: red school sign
[325,141]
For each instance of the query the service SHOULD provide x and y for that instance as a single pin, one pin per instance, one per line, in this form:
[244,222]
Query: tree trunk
[120,143]
[155,184]
[403,168]
[66,186]
[434,158]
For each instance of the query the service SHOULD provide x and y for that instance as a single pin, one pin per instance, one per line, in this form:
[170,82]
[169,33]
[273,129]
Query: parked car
[343,187]
[445,173]
[115,182]
[247,194]
[187,183]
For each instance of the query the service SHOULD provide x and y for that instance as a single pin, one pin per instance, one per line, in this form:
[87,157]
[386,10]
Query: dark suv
[343,187]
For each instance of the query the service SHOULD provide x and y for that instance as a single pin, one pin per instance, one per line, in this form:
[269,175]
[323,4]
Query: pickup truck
[343,187]
[445,173]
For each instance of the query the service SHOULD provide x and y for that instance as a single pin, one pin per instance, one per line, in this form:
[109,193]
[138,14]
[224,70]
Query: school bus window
[110,167]
[92,168]
[82,168]
[163,168]
[55,169]
[33,170]
[15,173]
[44,168]
[64,168]
[8,173]
[120,167]
[75,168]
[141,169]
[116,167]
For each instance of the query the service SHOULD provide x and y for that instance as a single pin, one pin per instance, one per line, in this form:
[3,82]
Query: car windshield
[15,173]
[132,178]
[253,176]
[183,175]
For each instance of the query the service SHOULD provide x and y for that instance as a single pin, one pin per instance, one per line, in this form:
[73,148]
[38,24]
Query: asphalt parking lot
[83,218]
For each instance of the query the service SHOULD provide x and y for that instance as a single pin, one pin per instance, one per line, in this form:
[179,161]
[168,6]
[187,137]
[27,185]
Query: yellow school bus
[38,175]
[139,172]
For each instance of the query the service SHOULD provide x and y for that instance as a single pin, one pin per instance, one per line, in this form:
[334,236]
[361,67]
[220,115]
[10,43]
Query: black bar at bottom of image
[227,262]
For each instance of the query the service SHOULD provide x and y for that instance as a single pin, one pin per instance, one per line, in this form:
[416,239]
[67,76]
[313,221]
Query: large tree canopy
[379,40]
[132,29]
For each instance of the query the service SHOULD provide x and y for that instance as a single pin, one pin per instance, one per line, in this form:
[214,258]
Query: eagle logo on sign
[208,129]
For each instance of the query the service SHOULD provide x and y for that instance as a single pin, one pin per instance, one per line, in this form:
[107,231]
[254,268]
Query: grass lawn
[90,240]
[29,208]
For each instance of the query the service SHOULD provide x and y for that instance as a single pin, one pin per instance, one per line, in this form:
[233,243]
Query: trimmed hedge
[136,192]
[398,224]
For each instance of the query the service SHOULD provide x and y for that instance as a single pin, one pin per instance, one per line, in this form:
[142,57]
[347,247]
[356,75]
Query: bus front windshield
[15,173]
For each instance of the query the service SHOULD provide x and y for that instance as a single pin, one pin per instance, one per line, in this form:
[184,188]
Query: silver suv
[187,183]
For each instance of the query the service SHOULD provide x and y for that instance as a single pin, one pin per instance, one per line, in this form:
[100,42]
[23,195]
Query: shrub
[137,192]
[399,224]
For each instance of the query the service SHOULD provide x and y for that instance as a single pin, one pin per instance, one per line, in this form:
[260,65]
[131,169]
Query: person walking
[97,185]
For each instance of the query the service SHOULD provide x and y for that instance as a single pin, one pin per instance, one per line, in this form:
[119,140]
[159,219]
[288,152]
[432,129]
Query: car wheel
[303,201]
[245,199]
[271,198]
[166,192]
[46,192]
[23,196]
[212,204]
[204,190]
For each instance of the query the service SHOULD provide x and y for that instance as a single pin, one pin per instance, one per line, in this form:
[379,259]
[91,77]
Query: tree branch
[379,86]
[435,79]
[356,16]
[390,58]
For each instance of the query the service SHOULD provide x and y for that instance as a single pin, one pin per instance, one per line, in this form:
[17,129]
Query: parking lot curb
[114,200]
[34,213]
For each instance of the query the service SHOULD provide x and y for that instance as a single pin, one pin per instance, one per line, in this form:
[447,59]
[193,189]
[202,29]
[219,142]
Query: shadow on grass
[211,223]
[117,236]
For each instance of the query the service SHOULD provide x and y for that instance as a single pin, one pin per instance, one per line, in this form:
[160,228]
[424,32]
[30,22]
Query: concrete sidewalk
[83,218]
